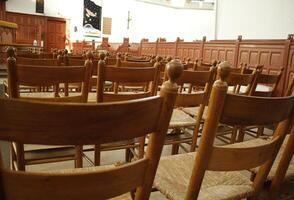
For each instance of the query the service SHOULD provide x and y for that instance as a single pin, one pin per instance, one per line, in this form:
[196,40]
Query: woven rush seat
[181,119]
[290,171]
[174,172]
[194,110]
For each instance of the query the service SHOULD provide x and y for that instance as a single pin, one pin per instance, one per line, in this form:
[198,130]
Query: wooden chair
[79,124]
[270,81]
[123,75]
[235,81]
[181,121]
[211,172]
[44,76]
[36,62]
[283,167]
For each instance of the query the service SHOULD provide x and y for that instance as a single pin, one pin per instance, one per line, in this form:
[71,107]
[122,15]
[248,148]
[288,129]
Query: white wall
[148,20]
[255,19]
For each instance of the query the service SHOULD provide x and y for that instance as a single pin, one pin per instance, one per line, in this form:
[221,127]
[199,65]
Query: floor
[111,157]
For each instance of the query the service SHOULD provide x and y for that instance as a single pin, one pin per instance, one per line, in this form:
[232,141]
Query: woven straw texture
[173,176]
[290,172]
[181,119]
[194,110]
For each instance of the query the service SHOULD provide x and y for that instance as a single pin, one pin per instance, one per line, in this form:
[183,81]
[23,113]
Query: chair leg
[175,149]
[66,89]
[141,147]
[56,90]
[260,131]
[12,158]
[197,127]
[128,155]
[97,154]
[79,156]
[241,134]
[234,135]
[20,156]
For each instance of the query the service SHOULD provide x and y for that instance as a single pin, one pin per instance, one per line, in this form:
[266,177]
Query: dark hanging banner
[39,6]
[92,19]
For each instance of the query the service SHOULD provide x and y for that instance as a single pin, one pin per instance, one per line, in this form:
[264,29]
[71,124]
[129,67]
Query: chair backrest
[199,65]
[128,75]
[120,63]
[39,76]
[244,111]
[79,124]
[237,80]
[271,81]
[199,82]
[39,62]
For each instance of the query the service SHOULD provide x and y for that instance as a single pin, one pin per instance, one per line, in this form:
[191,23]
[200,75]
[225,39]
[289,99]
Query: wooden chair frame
[87,127]
[44,76]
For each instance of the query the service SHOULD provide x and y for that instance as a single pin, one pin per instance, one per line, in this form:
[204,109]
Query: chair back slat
[100,184]
[240,79]
[99,123]
[75,62]
[39,62]
[135,64]
[49,75]
[255,110]
[69,99]
[110,97]
[126,74]
[224,158]
[199,78]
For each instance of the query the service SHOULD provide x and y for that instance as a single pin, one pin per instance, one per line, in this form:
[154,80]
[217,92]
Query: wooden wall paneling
[219,50]
[3,10]
[35,27]
[148,48]
[289,60]
[30,27]
[165,48]
[269,53]
[190,50]
[273,54]
[56,30]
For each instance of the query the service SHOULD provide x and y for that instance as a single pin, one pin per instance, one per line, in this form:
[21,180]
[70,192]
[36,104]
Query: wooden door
[55,34]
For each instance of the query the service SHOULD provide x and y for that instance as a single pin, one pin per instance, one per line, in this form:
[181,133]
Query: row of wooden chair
[178,177]
[37,75]
[210,173]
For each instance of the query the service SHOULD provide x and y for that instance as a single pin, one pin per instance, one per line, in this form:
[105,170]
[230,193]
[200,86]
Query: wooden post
[176,47]
[156,47]
[286,62]
[215,106]
[236,56]
[168,92]
[202,47]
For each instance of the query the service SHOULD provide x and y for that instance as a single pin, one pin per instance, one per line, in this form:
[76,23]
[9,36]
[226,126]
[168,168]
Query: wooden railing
[273,54]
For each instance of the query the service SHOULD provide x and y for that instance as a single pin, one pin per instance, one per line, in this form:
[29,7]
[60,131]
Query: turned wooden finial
[102,56]
[174,70]
[158,59]
[89,55]
[169,58]
[223,71]
[10,52]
